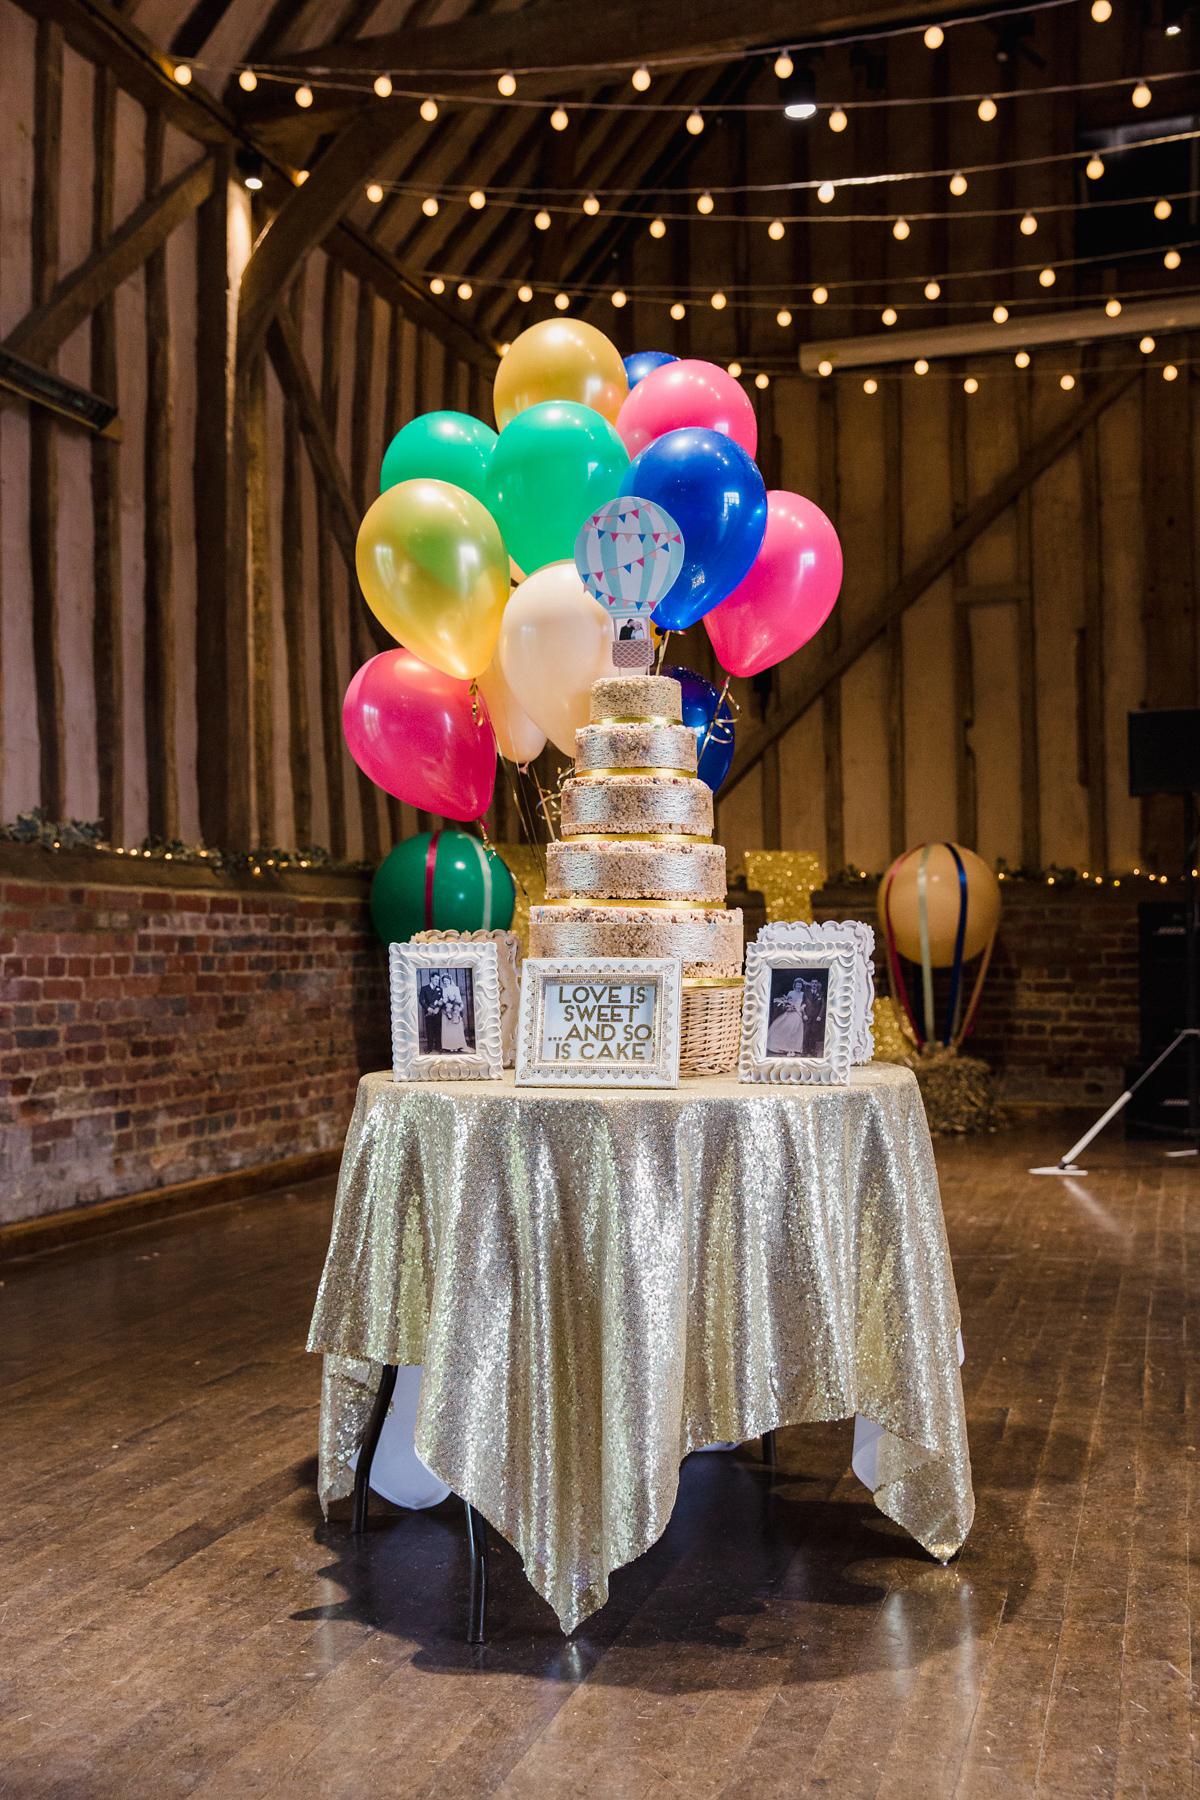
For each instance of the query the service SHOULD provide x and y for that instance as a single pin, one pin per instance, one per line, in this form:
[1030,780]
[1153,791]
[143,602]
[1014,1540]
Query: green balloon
[472,889]
[440,446]
[554,465]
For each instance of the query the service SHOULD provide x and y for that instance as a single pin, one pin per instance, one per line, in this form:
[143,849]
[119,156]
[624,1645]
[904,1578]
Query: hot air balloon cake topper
[628,554]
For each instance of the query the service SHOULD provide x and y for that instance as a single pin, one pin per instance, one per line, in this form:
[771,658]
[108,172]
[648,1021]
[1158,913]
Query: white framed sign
[445,1012]
[599,1021]
[508,950]
[798,1010]
[795,931]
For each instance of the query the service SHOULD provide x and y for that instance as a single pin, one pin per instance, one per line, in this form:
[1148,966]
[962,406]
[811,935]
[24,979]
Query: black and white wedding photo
[798,1009]
[445,1011]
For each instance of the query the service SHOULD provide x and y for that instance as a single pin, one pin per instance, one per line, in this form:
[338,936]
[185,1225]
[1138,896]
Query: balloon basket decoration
[711,1027]
[443,881]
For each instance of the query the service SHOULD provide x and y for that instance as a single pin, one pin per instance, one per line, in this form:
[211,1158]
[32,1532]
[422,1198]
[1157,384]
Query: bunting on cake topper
[628,554]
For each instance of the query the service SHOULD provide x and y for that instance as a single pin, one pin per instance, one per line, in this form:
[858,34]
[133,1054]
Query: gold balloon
[942,895]
[434,570]
[560,359]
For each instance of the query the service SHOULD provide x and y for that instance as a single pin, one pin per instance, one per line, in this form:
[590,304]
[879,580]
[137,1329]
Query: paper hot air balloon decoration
[628,554]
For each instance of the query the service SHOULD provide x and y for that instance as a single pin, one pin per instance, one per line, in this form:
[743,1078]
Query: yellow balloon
[434,570]
[942,903]
[560,359]
[518,739]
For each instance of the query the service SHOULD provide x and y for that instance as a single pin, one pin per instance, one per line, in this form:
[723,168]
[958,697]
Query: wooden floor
[178,1619]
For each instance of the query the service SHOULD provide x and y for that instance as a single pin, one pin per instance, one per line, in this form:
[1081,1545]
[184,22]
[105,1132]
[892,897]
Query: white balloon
[517,737]
[555,640]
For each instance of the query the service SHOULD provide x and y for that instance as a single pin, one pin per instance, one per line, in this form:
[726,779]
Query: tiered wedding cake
[636,872]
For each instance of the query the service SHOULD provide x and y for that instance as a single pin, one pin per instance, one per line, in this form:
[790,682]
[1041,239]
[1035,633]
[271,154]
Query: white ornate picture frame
[600,1021]
[862,1044]
[445,1012]
[508,950]
[798,1011]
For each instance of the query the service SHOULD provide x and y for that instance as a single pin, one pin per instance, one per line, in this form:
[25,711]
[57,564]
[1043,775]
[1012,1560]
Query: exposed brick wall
[152,1034]
[1059,1014]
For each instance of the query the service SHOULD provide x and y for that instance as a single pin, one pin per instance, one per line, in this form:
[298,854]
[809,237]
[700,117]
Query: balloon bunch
[466,513]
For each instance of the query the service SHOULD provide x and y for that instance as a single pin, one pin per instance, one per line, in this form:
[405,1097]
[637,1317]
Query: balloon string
[526,818]
[475,702]
[662,652]
[716,714]
[543,803]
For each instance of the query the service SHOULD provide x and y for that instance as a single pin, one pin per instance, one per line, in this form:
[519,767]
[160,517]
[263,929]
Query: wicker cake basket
[711,1031]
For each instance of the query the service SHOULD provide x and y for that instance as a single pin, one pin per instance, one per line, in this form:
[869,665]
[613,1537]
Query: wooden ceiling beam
[368,261]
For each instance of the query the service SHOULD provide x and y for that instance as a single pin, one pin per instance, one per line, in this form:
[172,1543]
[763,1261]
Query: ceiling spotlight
[718,303]
[783,317]
[920,367]
[986,109]
[800,95]
[1171,260]
[1066,383]
[958,185]
[437,285]
[1028,225]
[838,120]
[657,228]
[254,182]
[641,79]
[562,301]
[825,192]
[374,193]
[678,310]
[1170,372]
[705,203]
[1113,308]
[1102,11]
[932,290]
[900,229]
[429,207]
[558,119]
[1147,346]
[762,381]
[999,314]
[525,293]
[1022,359]
[247,81]
[464,290]
[870,385]
[477,199]
[383,86]
[1162,209]
[783,65]
[183,74]
[824,367]
[970,385]
[304,96]
[820,296]
[542,220]
[619,298]
[591,206]
[734,369]
[1047,278]
[507,85]
[775,230]
[695,123]
[935,37]
[429,110]
[1174,28]
[888,315]
[1141,95]
[1094,169]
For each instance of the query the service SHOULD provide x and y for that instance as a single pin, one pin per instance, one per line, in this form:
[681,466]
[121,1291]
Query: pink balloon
[788,594]
[410,729]
[687,393]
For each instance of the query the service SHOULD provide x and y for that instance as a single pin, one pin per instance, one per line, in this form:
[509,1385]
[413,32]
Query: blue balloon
[640,364]
[699,711]
[716,496]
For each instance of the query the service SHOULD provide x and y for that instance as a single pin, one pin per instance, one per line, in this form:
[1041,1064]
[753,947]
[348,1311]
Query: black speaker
[1164,751]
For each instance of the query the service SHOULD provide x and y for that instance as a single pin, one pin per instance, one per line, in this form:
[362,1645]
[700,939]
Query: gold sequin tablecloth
[597,1283]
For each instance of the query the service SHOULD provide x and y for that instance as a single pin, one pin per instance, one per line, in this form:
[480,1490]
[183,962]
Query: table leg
[477,1545]
[366,1453]
[769,1453]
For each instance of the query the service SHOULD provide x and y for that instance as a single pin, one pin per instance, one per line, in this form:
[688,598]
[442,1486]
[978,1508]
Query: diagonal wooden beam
[856,639]
[78,294]
[368,261]
[287,357]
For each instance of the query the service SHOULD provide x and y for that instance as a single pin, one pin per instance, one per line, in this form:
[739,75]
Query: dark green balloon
[440,446]
[554,466]
[472,888]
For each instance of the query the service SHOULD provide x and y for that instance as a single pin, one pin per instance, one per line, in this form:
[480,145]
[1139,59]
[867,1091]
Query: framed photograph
[862,1043]
[798,1011]
[508,950]
[445,1012]
[598,1021]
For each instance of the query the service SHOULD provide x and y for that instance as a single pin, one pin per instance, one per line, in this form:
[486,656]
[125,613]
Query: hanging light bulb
[477,199]
[762,381]
[437,285]
[1028,225]
[591,206]
[1047,278]
[935,37]
[1102,11]
[1147,346]
[641,79]
[657,228]
[705,203]
[838,120]
[1141,95]
[1162,209]
[920,367]
[820,296]
[383,86]
[1022,359]
[986,109]
[182,74]
[1113,308]
[678,310]
[507,85]
[826,192]
[1066,383]
[718,303]
[247,81]
[429,110]
[783,317]
[958,185]
[504,349]
[1171,260]
[900,229]
[1170,372]
[619,298]
[824,367]
[525,293]
[734,369]
[429,207]
[562,301]
[888,315]
[558,119]
[1000,314]
[1094,169]
[542,220]
[970,385]
[695,123]
[301,177]
[783,65]
[870,385]
[464,290]
[304,96]
[932,290]
[775,230]
[374,193]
